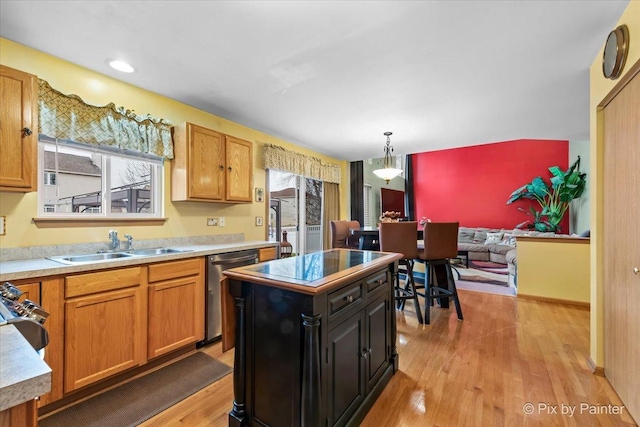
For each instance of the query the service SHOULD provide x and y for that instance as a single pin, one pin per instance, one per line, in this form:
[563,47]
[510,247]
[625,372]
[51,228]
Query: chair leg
[454,291]
[428,300]
[412,288]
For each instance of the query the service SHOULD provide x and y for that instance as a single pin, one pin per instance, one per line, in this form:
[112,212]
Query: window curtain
[277,158]
[330,210]
[410,200]
[68,117]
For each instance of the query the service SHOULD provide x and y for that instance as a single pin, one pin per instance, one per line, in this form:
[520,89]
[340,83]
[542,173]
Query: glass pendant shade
[388,172]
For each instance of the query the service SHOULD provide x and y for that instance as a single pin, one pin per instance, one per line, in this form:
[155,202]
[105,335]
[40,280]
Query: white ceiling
[333,76]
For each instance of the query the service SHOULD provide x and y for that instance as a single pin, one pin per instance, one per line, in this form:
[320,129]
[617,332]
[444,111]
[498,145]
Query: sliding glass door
[295,208]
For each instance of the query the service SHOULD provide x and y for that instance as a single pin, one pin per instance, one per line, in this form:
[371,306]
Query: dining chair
[400,237]
[341,235]
[440,245]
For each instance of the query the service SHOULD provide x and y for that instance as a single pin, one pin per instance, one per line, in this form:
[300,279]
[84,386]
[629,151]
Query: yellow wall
[185,218]
[554,268]
[599,87]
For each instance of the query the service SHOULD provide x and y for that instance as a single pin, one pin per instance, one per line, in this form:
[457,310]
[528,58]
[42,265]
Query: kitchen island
[315,338]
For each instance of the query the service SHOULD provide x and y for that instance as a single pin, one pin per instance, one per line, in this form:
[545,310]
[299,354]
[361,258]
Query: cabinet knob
[26,131]
[635,270]
[221,167]
[349,298]
[364,354]
[229,168]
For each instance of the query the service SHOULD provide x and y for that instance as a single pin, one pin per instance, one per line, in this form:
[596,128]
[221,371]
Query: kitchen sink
[113,256]
[90,258]
[158,251]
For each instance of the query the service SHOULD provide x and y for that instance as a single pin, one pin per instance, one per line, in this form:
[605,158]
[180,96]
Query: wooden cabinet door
[175,315]
[347,355]
[622,244]
[19,117]
[378,335]
[31,291]
[239,160]
[206,160]
[105,335]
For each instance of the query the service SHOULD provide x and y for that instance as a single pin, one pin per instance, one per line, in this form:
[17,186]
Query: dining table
[369,237]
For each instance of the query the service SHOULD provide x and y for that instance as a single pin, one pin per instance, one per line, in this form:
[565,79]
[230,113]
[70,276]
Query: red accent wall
[472,184]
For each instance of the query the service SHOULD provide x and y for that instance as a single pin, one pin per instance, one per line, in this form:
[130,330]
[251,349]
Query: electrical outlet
[221,221]
[3,223]
[258,221]
[212,221]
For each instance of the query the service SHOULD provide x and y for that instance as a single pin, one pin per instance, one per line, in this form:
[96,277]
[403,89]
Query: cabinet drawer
[375,281]
[91,283]
[345,298]
[267,254]
[173,269]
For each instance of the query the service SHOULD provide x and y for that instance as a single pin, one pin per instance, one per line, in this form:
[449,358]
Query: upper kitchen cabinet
[209,166]
[19,130]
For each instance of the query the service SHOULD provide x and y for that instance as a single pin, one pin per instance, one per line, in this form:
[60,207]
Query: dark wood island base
[315,338]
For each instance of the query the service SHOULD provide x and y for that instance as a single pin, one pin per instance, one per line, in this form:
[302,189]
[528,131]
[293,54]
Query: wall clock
[615,52]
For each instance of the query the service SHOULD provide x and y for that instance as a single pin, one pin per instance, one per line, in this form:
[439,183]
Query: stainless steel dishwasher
[216,264]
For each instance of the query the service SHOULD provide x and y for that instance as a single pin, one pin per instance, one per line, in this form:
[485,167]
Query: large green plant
[553,198]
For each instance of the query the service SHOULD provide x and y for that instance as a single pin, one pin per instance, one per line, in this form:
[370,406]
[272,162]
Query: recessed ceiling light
[121,66]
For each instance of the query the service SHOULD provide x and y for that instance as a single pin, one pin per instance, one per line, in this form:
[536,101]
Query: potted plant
[553,197]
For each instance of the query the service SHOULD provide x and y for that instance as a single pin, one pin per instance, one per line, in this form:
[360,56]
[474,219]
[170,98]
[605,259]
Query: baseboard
[555,300]
[597,370]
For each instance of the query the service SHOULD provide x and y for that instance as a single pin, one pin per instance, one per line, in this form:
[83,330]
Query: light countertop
[43,267]
[23,375]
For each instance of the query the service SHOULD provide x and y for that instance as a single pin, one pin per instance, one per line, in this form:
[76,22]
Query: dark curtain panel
[357,191]
[410,200]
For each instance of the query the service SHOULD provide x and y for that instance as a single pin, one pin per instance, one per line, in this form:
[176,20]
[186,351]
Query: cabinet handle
[349,298]
[26,131]
[635,270]
[364,354]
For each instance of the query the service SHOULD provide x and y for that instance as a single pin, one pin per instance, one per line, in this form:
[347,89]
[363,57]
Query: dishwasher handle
[239,259]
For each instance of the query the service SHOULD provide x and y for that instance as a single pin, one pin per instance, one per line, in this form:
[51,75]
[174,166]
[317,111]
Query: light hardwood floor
[478,372]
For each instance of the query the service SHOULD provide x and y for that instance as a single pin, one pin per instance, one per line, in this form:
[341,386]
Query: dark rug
[134,402]
[489,265]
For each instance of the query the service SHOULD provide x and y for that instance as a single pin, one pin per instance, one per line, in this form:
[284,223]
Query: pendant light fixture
[388,172]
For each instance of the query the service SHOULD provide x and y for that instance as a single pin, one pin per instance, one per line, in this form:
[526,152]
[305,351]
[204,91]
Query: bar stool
[440,245]
[400,237]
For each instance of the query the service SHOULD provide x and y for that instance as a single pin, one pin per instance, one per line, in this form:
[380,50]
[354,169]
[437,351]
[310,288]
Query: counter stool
[400,237]
[440,245]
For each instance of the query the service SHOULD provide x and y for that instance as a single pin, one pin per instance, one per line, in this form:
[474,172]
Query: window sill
[93,222]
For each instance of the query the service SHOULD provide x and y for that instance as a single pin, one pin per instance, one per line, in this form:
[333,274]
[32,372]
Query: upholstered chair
[401,237]
[341,236]
[440,245]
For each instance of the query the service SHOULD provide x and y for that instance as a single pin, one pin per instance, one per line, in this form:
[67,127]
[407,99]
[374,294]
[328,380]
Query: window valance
[278,158]
[69,117]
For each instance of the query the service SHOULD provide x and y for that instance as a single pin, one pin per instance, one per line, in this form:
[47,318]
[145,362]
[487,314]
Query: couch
[495,245]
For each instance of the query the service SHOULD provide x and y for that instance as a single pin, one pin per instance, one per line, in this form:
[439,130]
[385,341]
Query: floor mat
[134,402]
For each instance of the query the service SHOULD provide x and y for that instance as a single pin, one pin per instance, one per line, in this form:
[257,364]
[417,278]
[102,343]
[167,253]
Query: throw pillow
[508,239]
[493,238]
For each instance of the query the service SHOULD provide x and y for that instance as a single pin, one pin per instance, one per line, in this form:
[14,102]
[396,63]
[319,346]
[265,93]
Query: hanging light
[388,172]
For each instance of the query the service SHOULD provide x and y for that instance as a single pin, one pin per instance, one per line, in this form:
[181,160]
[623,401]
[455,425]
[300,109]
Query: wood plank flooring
[478,372]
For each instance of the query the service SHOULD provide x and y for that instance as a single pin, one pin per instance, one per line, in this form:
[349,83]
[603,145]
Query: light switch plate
[258,221]
[221,221]
[212,221]
[3,229]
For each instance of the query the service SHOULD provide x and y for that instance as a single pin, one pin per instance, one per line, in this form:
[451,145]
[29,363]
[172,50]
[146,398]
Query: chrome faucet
[129,238]
[115,242]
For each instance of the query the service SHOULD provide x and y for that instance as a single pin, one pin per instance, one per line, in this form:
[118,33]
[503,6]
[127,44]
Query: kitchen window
[87,181]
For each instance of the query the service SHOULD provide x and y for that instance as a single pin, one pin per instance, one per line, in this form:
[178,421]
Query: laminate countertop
[23,374]
[43,267]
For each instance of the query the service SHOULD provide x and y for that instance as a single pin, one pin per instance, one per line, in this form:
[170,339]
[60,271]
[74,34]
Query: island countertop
[315,272]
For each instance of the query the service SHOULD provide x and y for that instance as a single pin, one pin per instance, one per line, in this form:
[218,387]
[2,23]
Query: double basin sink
[111,256]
